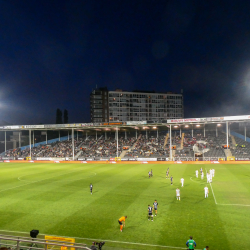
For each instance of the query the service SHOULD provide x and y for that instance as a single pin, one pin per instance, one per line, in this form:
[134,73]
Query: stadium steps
[182,140]
[233,141]
[166,140]
[227,152]
[78,154]
[131,148]
[123,153]
[173,153]
[38,154]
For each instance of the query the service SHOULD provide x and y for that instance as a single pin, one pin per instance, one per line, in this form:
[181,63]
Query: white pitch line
[234,205]
[112,241]
[193,180]
[243,205]
[213,194]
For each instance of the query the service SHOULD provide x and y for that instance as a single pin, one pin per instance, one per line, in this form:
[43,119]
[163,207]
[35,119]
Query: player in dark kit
[150,213]
[155,204]
[167,174]
[171,179]
[91,187]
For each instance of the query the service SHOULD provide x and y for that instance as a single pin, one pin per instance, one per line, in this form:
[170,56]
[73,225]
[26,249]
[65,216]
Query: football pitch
[55,199]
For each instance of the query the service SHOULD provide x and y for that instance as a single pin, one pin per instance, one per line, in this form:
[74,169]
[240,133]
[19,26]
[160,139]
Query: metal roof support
[245,130]
[117,142]
[227,133]
[33,138]
[5,141]
[170,137]
[30,141]
[73,146]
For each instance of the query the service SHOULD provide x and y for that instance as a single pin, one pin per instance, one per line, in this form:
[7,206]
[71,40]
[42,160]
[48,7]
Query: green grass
[55,199]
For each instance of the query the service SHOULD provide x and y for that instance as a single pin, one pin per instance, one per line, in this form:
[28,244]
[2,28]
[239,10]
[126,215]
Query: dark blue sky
[54,52]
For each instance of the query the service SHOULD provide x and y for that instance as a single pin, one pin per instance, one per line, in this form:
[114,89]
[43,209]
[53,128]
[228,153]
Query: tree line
[60,119]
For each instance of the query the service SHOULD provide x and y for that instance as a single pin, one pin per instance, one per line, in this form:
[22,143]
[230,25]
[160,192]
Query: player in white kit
[206,191]
[208,178]
[182,182]
[178,194]
[202,175]
[213,172]
[196,173]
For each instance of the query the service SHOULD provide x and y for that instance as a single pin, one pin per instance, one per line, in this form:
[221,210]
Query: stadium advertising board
[52,126]
[211,119]
[49,159]
[184,120]
[242,159]
[239,117]
[137,122]
[33,126]
[161,159]
[112,123]
[146,159]
[87,124]
[12,127]
[68,241]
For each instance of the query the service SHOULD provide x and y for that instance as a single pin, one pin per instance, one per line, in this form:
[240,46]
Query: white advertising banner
[50,159]
[137,123]
[146,159]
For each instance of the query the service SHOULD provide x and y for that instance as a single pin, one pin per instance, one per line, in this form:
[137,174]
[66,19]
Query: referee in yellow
[121,221]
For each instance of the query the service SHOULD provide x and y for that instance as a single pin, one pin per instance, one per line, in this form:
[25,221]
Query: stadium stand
[147,145]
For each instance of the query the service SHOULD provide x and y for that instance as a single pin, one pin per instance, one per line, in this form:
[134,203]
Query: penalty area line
[212,191]
[112,241]
[213,194]
[242,205]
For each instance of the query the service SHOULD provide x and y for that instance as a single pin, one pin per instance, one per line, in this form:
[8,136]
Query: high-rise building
[99,106]
[135,106]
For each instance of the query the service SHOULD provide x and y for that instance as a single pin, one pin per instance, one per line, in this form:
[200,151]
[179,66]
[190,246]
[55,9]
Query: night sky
[54,52]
